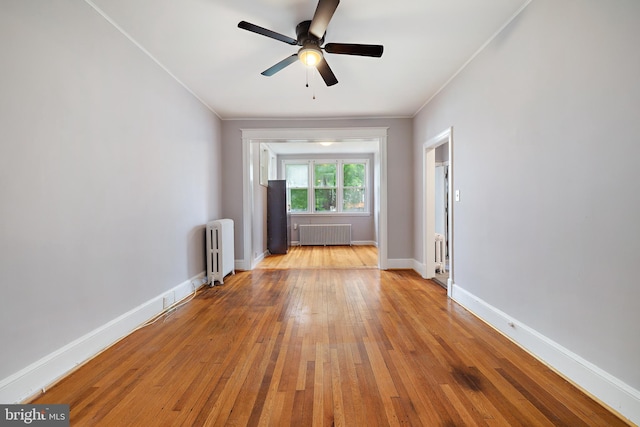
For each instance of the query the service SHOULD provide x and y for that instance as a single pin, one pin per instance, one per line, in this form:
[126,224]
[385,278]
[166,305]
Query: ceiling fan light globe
[310,56]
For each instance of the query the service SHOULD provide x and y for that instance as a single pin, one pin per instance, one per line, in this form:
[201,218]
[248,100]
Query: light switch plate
[457,195]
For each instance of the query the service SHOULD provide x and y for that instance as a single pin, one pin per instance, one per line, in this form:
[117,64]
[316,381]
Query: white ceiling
[425,43]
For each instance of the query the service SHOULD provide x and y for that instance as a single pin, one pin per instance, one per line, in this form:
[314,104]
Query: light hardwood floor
[310,257]
[300,341]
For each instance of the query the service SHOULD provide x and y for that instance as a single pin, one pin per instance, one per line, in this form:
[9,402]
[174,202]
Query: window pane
[298,200]
[353,200]
[324,174]
[354,174]
[297,175]
[325,200]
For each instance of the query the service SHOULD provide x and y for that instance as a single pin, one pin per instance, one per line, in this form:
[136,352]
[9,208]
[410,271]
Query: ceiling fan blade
[280,65]
[272,34]
[326,73]
[322,16]
[355,49]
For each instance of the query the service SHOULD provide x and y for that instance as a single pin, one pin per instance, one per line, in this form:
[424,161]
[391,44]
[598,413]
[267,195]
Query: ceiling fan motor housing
[305,37]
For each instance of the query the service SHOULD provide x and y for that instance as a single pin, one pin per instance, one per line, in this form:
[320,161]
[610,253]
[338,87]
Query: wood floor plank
[321,337]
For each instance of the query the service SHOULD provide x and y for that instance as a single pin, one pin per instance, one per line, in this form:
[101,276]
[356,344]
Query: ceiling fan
[310,35]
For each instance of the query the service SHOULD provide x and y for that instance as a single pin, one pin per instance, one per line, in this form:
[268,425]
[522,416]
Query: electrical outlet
[168,300]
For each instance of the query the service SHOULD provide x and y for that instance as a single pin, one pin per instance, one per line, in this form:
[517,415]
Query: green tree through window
[354,178]
[298,187]
[324,178]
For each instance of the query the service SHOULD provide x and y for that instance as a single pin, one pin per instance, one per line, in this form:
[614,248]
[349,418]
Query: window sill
[325,214]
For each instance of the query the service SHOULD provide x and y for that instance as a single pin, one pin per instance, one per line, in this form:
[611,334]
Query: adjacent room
[458,238]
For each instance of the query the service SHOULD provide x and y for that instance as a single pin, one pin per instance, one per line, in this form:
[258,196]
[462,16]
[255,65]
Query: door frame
[429,205]
[252,136]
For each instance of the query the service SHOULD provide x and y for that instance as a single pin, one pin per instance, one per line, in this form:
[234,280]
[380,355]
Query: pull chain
[315,81]
[307,82]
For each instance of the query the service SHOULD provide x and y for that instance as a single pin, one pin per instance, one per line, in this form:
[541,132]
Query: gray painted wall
[399,181]
[108,172]
[546,159]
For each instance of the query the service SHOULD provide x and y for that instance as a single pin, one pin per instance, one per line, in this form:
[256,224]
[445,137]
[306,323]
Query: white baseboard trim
[619,396]
[51,368]
[363,243]
[260,257]
[353,243]
[240,265]
[420,268]
[400,264]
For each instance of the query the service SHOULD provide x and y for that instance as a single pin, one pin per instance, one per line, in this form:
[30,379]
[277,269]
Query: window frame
[288,189]
[365,186]
[340,187]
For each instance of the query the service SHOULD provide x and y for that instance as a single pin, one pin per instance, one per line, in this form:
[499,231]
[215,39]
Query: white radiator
[220,251]
[325,234]
[440,253]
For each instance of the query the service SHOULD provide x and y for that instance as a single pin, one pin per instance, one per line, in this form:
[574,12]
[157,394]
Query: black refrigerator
[278,218]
